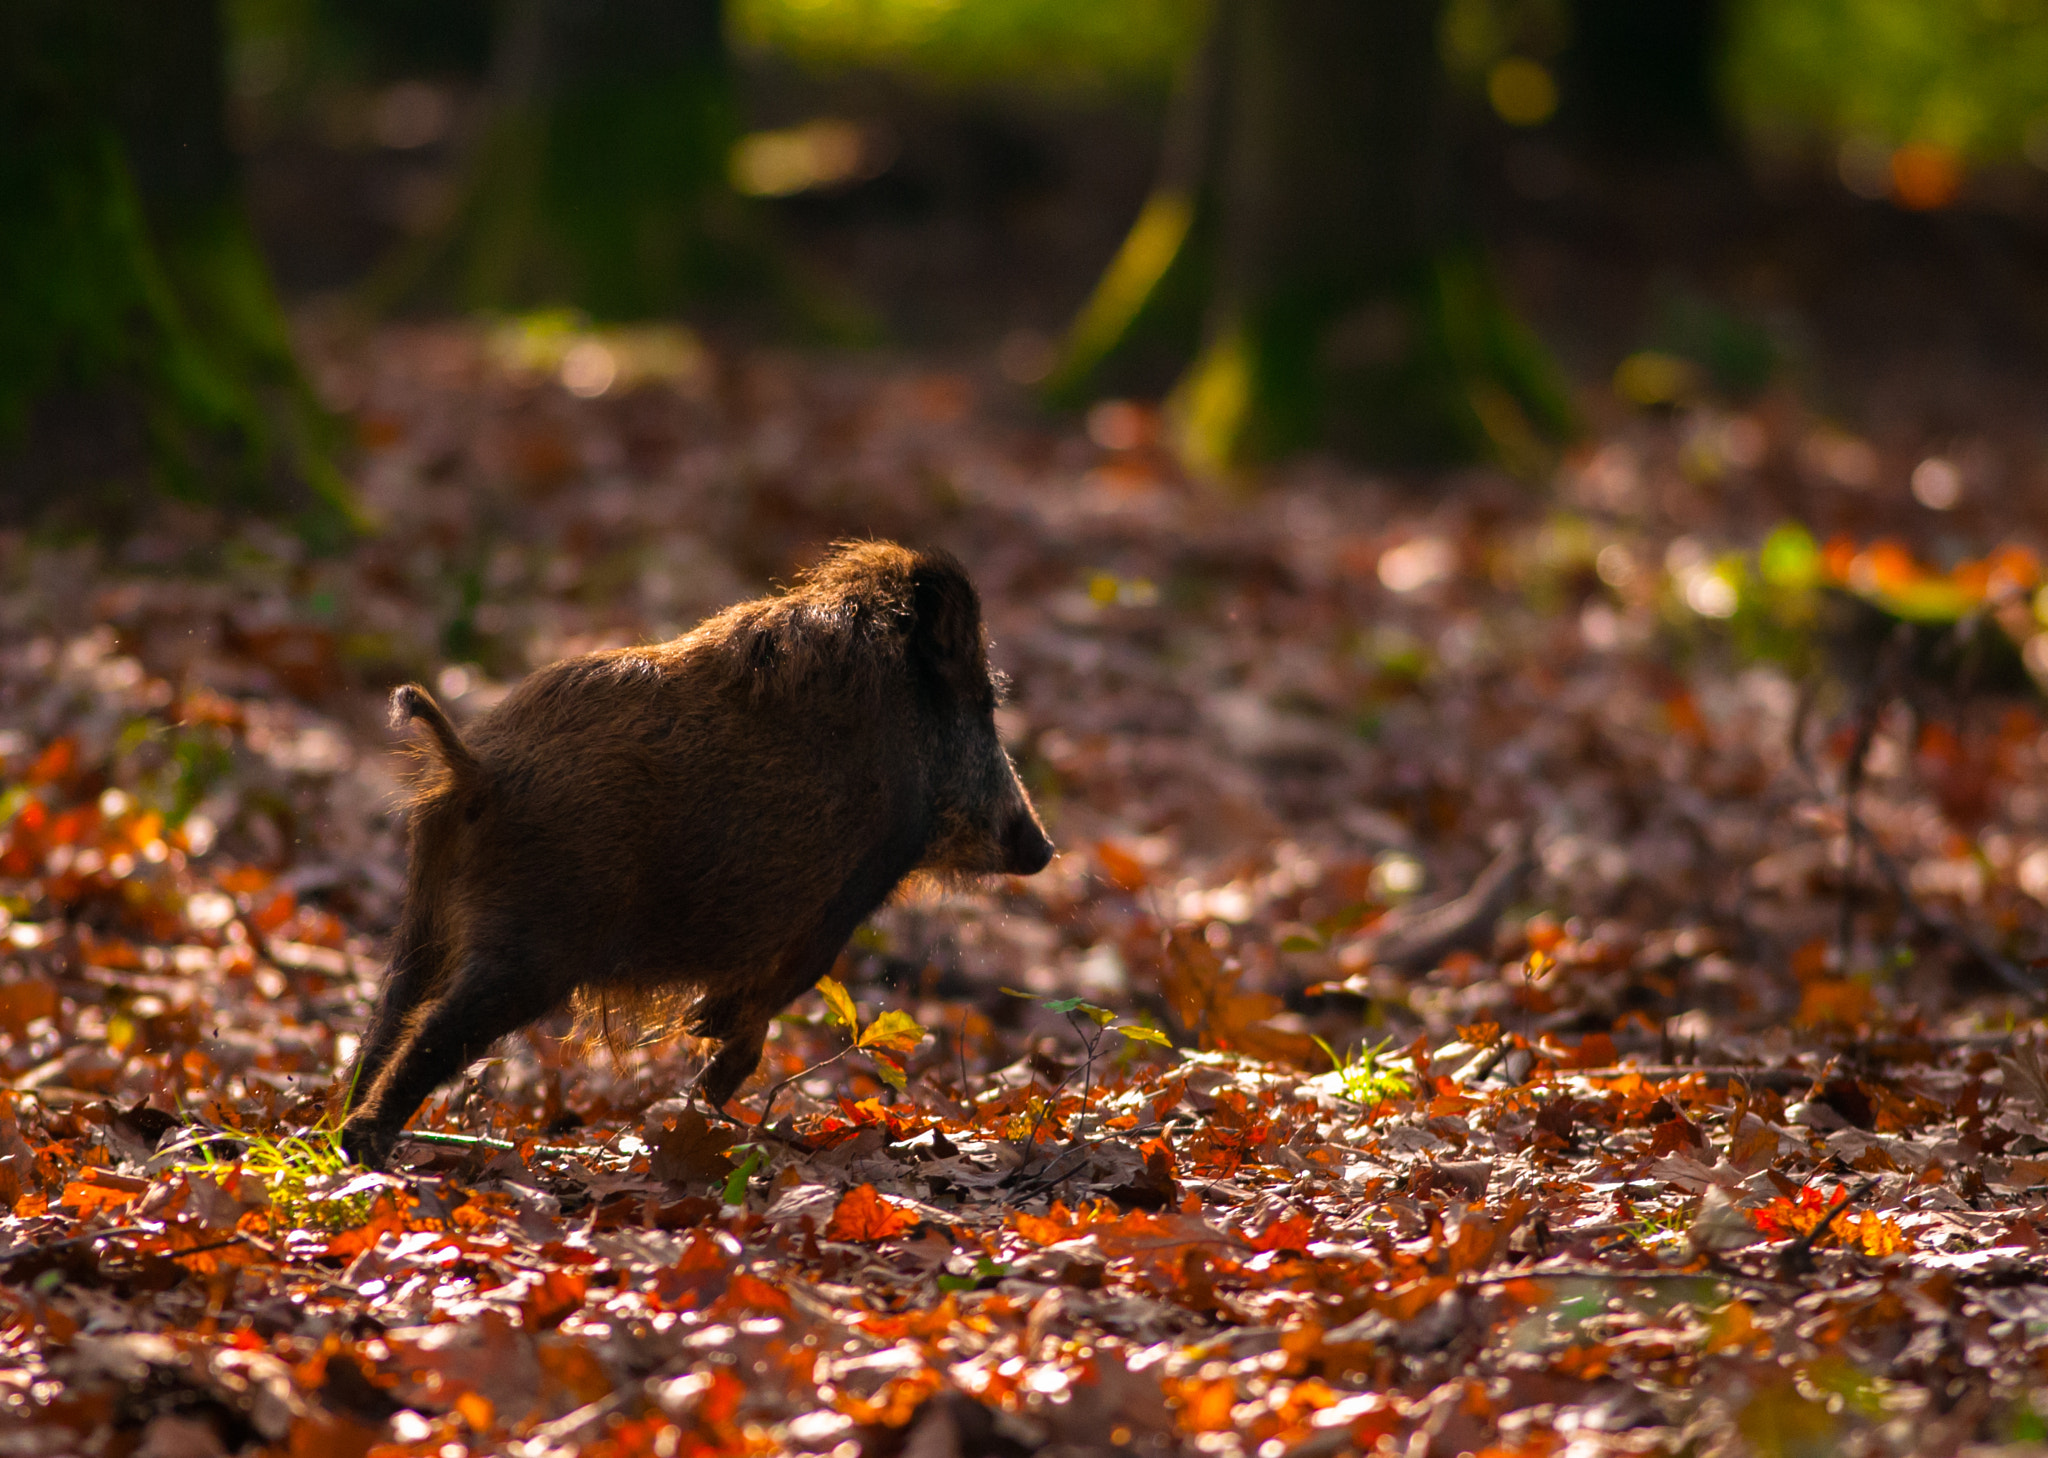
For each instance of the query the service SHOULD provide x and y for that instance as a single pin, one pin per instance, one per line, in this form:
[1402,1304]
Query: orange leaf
[1583,1363]
[567,1362]
[1833,1000]
[896,1404]
[1874,1235]
[321,1434]
[1595,1050]
[1203,993]
[1124,870]
[54,762]
[863,1215]
[558,1296]
[1292,1231]
[243,880]
[751,1295]
[21,1003]
[1682,712]
[1545,933]
[1732,1326]
[276,912]
[100,1189]
[1204,1405]
[477,1411]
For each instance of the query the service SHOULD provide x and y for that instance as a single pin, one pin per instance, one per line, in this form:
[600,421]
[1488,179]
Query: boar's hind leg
[491,997]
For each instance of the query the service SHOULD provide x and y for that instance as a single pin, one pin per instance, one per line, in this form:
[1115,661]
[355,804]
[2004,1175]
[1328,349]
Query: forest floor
[1667,1098]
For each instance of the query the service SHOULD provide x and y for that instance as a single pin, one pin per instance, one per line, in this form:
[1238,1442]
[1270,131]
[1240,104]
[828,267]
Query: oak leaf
[863,1215]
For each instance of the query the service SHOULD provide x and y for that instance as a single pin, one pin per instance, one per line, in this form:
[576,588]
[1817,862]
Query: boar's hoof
[733,1066]
[369,1147]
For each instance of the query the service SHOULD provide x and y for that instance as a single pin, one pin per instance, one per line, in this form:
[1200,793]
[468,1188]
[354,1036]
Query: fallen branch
[2008,971]
[1416,939]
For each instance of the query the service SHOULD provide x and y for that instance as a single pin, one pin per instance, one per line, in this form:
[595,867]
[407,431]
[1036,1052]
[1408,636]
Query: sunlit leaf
[1139,1033]
[735,1190]
[863,1215]
[892,1031]
[839,1004]
[1101,1015]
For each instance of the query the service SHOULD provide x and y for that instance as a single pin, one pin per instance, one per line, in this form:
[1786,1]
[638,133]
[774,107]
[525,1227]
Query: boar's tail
[413,702]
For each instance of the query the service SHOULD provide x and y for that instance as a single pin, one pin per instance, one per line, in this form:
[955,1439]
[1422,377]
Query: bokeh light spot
[1522,92]
[1926,176]
[1937,484]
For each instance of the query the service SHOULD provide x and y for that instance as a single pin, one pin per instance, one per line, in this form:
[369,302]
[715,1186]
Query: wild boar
[708,818]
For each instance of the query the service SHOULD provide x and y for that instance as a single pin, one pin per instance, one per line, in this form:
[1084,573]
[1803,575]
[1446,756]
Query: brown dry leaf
[21,1003]
[2026,1075]
[558,1294]
[1202,990]
[691,1151]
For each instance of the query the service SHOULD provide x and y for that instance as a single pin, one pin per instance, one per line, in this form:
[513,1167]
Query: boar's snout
[1026,851]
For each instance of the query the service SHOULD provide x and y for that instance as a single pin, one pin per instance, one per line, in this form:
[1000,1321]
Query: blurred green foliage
[1970,75]
[128,270]
[1049,44]
[1967,75]
[1740,354]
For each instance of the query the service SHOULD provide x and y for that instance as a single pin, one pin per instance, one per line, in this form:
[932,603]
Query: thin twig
[1603,1273]
[1492,1058]
[1796,1259]
[768,1104]
[1042,1178]
[485,1141]
[45,1247]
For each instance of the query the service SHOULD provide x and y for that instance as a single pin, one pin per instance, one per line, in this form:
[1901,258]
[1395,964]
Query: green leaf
[985,1269]
[1300,943]
[891,1071]
[735,1192]
[896,1032]
[1789,557]
[1101,1015]
[1138,1033]
[839,1005]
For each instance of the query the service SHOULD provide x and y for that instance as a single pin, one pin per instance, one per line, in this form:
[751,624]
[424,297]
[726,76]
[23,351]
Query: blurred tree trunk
[603,181]
[1640,79]
[1306,201]
[139,333]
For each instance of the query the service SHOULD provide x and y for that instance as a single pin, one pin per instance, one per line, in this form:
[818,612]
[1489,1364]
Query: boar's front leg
[414,971]
[740,1020]
[739,1054]
[490,998]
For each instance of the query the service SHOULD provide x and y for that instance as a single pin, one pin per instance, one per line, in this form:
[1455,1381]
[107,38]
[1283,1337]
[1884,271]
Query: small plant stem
[1088,1067]
[768,1104]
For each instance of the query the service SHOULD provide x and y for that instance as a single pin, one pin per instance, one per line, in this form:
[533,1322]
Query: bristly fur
[686,833]
[622,1019]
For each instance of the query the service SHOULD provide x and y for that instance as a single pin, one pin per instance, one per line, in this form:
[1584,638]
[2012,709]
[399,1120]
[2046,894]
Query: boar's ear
[945,629]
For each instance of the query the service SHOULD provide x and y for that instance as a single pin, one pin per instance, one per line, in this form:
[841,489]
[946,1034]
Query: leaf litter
[1470,1012]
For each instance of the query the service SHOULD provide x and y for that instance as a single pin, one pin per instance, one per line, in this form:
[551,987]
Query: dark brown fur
[711,816]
